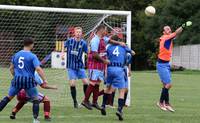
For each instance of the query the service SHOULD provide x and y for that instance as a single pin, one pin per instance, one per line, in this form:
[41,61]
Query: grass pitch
[145,92]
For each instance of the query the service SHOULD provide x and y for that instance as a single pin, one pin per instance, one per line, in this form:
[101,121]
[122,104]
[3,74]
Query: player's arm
[114,40]
[43,84]
[117,42]
[99,58]
[11,68]
[180,29]
[46,86]
[41,74]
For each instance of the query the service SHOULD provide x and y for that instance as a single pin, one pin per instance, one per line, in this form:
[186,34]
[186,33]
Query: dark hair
[28,41]
[115,37]
[100,27]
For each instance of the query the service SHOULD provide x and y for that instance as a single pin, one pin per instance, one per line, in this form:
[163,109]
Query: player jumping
[76,70]
[163,65]
[23,66]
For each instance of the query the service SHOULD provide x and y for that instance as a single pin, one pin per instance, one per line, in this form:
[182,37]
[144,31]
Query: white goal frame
[88,11]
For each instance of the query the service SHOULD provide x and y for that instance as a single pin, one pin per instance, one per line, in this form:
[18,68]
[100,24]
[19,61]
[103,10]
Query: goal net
[50,27]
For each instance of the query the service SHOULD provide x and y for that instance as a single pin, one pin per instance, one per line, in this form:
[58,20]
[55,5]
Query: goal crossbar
[70,10]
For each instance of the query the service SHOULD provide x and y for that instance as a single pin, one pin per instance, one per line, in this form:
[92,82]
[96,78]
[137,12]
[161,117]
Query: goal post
[50,27]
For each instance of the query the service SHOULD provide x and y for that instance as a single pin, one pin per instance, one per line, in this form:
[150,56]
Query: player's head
[28,42]
[101,29]
[78,32]
[115,37]
[167,30]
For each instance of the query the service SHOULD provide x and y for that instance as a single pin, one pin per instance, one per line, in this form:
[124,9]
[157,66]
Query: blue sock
[162,95]
[4,102]
[120,104]
[105,98]
[35,108]
[166,96]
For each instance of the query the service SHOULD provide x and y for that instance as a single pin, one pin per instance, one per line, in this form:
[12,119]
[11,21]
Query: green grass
[145,91]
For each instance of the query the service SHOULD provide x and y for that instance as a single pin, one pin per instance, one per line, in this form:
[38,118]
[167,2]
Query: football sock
[35,108]
[47,108]
[125,97]
[105,98]
[73,93]
[166,96]
[162,95]
[120,104]
[95,94]
[113,97]
[4,102]
[85,88]
[88,92]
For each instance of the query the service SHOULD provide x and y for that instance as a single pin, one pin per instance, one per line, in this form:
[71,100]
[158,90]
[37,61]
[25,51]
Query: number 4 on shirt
[116,52]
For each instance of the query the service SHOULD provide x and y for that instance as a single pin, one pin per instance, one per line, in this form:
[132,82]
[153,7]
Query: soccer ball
[150,11]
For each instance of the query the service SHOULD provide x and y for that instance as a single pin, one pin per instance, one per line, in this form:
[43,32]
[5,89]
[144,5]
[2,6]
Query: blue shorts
[32,92]
[96,75]
[116,77]
[164,73]
[76,74]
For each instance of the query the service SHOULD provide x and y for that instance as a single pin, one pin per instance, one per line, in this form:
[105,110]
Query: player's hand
[45,82]
[106,61]
[187,24]
[122,44]
[133,52]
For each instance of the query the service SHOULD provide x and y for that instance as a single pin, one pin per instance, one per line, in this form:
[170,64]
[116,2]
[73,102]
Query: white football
[150,11]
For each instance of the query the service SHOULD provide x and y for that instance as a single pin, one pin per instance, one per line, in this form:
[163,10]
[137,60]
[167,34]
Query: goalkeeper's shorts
[164,73]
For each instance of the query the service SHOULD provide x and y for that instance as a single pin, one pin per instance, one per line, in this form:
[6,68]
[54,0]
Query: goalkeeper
[163,65]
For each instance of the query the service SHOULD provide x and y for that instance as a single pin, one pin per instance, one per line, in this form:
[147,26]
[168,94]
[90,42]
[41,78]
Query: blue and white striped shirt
[75,51]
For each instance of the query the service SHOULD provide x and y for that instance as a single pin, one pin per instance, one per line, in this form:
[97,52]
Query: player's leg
[16,109]
[110,101]
[73,75]
[125,97]
[82,75]
[99,77]
[33,94]
[22,99]
[47,107]
[167,87]
[121,101]
[107,92]
[164,74]
[11,94]
[90,89]
[126,85]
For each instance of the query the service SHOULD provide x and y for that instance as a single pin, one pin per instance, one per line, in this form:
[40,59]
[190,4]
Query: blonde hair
[78,28]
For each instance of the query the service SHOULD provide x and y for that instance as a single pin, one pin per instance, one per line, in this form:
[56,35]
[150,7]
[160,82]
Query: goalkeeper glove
[186,24]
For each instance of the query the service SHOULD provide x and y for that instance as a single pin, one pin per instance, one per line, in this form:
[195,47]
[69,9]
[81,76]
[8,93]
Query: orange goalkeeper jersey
[166,45]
